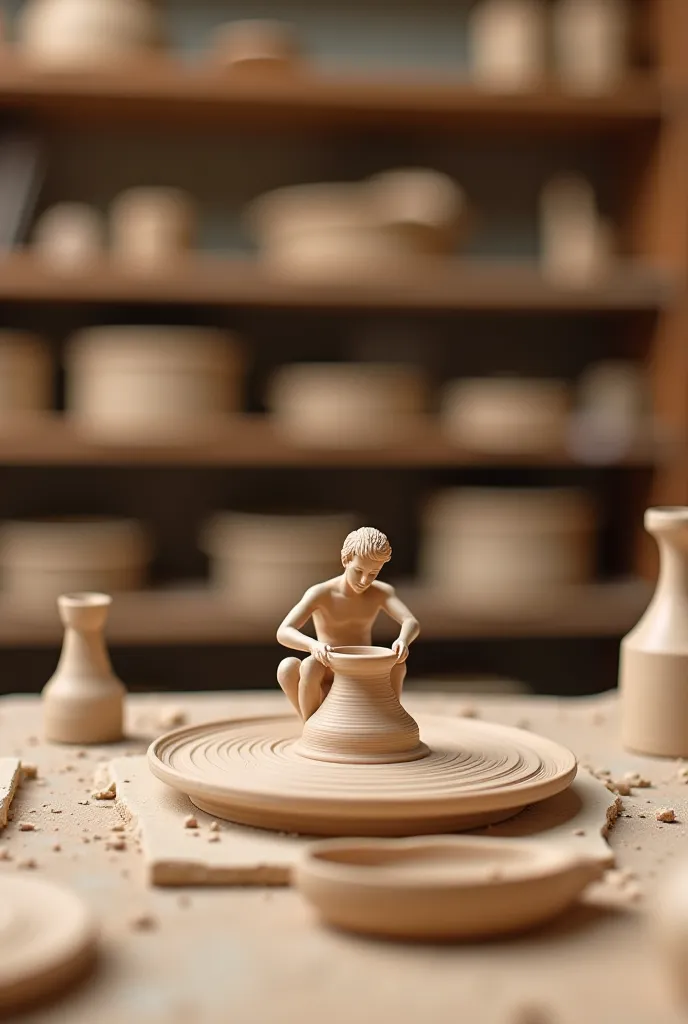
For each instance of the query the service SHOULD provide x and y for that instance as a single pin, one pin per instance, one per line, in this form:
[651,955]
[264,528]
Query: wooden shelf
[197,616]
[251,440]
[441,285]
[169,89]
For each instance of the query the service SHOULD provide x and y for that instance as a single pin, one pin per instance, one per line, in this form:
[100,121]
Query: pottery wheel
[248,771]
[47,939]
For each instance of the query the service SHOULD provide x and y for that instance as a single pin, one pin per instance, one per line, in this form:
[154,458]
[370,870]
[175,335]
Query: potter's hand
[401,650]
[321,653]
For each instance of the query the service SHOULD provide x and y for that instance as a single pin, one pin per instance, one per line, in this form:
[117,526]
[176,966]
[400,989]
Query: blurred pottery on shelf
[576,244]
[151,226]
[613,412]
[43,558]
[489,548]
[270,560]
[505,414]
[507,42]
[346,404]
[423,208]
[152,384]
[256,45]
[91,34]
[26,376]
[70,236]
[591,40]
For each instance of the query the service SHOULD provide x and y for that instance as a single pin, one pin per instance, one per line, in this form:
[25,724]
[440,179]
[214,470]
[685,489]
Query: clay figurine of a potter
[344,610]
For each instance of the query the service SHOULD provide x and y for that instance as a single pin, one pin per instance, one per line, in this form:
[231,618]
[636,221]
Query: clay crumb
[29,770]
[620,786]
[5,853]
[81,753]
[83,803]
[468,711]
[214,826]
[55,810]
[172,716]
[184,901]
[665,814]
[115,844]
[143,922]
[636,780]
[106,794]
[579,831]
[214,838]
[117,828]
[190,821]
[682,773]
[29,863]
[56,847]
[26,826]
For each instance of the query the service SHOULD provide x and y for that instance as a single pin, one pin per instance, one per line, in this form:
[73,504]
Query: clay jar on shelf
[340,405]
[507,42]
[653,665]
[70,236]
[491,547]
[591,40]
[149,227]
[256,45]
[576,243]
[43,558]
[269,560]
[26,376]
[152,384]
[508,414]
[89,34]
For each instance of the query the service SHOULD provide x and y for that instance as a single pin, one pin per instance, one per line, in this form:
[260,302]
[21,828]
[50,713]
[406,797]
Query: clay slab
[10,777]
[250,856]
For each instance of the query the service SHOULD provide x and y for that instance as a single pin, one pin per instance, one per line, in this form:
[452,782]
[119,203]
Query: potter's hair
[367,542]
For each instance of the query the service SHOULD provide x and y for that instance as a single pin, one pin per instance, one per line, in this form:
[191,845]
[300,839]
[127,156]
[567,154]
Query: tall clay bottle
[83,702]
[653,669]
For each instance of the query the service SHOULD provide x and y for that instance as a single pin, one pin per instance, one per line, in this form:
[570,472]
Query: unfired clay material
[653,668]
[475,773]
[440,887]
[10,776]
[83,702]
[47,940]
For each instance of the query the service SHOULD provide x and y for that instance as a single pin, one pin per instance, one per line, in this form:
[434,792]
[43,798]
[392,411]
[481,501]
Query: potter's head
[364,553]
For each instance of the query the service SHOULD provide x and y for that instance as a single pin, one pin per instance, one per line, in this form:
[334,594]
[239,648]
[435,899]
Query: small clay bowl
[440,887]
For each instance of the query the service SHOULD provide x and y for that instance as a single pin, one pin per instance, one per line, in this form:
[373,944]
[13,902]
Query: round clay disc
[47,939]
[248,771]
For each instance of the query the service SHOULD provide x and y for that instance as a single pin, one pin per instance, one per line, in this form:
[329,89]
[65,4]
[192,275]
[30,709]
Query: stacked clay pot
[26,376]
[491,547]
[339,405]
[43,558]
[268,561]
[152,384]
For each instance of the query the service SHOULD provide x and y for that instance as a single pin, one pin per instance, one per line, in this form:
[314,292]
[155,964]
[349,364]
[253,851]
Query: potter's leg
[396,678]
[310,687]
[288,673]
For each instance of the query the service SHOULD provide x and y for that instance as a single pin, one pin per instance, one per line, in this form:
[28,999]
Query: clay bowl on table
[440,887]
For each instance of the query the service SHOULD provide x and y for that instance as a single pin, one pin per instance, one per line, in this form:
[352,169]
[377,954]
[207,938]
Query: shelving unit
[643,304]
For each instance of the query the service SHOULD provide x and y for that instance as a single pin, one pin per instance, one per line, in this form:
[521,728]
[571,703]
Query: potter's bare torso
[345,620]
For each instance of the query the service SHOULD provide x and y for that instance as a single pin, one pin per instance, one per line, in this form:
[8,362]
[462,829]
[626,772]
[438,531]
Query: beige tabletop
[258,955]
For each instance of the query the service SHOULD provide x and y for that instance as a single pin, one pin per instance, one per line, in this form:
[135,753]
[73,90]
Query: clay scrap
[10,777]
[175,854]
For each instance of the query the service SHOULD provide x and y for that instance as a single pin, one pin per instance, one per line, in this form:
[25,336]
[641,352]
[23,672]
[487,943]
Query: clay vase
[653,667]
[361,721]
[83,702]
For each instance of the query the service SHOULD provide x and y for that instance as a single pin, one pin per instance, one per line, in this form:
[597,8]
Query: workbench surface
[259,956]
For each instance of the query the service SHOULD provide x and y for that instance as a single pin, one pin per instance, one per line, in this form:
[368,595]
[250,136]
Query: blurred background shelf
[252,440]
[192,616]
[441,285]
[172,90]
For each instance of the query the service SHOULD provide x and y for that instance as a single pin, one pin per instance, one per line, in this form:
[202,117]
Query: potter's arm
[289,633]
[397,610]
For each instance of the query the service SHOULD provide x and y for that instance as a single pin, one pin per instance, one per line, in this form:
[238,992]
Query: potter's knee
[289,668]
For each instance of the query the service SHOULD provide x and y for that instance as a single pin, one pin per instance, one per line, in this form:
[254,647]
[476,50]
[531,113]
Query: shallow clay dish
[248,771]
[440,887]
[47,940]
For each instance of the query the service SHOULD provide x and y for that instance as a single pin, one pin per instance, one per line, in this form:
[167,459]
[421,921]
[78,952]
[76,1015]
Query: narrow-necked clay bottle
[653,669]
[83,702]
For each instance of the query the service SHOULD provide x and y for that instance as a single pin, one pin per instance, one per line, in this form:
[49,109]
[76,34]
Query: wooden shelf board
[427,284]
[188,617]
[167,87]
[252,440]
